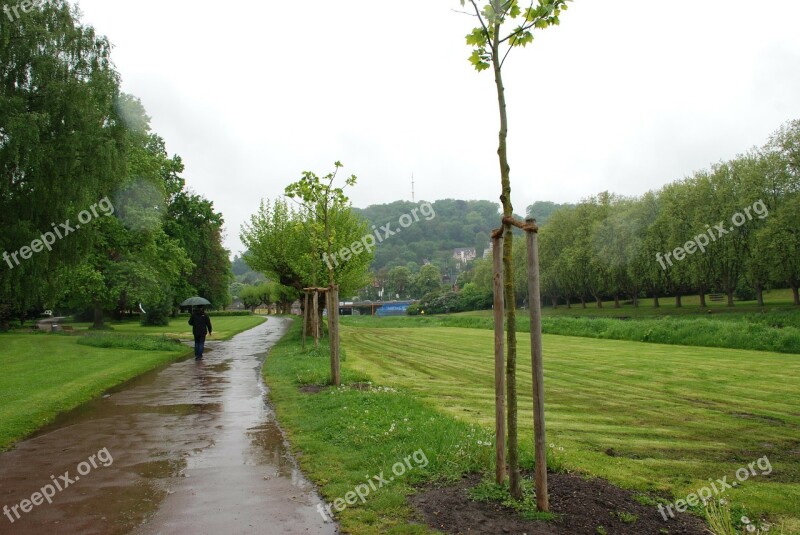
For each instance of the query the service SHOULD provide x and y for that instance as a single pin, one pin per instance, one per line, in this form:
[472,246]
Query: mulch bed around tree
[582,506]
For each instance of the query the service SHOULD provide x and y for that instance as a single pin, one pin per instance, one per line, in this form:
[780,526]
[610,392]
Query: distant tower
[413,194]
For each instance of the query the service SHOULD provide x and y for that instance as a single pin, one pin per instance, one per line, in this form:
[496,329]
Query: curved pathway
[192,448]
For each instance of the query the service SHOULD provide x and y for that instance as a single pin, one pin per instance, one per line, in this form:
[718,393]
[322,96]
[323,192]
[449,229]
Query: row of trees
[614,247]
[268,294]
[70,140]
[281,244]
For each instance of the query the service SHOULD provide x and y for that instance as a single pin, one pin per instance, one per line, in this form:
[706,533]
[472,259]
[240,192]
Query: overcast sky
[622,96]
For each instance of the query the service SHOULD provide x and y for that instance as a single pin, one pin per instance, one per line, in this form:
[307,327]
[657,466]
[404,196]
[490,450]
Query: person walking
[201,324]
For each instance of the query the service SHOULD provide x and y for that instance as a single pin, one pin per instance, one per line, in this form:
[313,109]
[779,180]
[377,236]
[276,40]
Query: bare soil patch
[583,506]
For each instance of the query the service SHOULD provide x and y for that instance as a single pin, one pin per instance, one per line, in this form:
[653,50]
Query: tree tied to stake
[491,48]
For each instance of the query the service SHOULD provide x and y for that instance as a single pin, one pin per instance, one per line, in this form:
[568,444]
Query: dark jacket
[200,324]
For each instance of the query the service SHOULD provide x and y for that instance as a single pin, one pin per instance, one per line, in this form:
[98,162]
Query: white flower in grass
[560,448]
[745,520]
[723,501]
[552,445]
[751,528]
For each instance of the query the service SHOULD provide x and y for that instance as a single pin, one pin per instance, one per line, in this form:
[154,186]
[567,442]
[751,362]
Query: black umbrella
[195,301]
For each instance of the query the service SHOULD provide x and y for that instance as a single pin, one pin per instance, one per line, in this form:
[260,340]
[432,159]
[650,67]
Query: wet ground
[192,448]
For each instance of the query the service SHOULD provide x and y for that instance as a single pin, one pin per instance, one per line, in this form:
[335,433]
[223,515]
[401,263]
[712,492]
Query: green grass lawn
[44,375]
[774,330]
[224,327]
[671,416]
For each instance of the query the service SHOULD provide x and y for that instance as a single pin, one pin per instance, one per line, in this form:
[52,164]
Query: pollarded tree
[491,47]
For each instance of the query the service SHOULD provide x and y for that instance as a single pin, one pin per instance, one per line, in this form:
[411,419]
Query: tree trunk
[515,484]
[616,301]
[796,294]
[703,296]
[656,302]
[555,302]
[98,316]
[760,295]
[678,301]
[729,293]
[569,304]
[499,363]
[540,442]
[583,302]
[599,302]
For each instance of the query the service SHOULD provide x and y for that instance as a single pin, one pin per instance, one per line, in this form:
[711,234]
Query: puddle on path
[190,448]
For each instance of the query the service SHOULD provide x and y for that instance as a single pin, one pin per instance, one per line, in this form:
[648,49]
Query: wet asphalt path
[192,448]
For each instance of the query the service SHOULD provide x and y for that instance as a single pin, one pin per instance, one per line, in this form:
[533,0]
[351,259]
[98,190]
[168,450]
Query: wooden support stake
[315,318]
[499,362]
[534,298]
[306,313]
[333,333]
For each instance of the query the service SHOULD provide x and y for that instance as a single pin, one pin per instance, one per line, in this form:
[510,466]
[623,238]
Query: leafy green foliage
[69,138]
[61,144]
[487,42]
[290,246]
[158,311]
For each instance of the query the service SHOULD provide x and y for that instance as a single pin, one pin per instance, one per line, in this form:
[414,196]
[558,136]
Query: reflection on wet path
[195,450]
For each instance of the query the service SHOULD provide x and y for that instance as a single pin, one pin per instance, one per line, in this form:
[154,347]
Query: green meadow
[648,417]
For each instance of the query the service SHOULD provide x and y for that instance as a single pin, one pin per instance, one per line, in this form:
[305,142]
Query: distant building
[487,253]
[465,255]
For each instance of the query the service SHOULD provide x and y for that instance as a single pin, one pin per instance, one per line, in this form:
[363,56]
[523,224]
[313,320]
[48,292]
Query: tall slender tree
[491,47]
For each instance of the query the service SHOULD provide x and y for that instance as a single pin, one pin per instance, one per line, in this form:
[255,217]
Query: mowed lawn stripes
[647,416]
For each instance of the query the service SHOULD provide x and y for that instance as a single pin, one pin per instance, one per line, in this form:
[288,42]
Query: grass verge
[344,437]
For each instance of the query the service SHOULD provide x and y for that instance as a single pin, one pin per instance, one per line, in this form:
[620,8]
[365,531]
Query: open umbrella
[195,301]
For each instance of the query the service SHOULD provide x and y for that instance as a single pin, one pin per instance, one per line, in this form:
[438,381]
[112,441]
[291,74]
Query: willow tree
[61,145]
[492,43]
